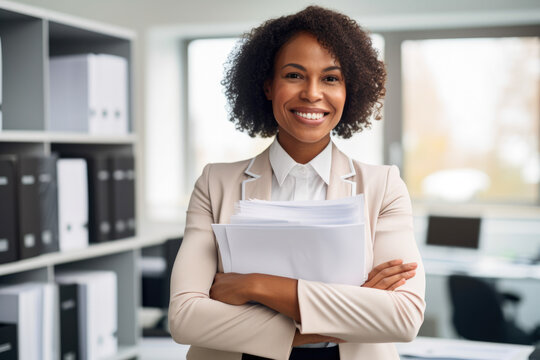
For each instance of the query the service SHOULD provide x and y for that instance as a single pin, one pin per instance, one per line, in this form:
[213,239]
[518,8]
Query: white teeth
[310,116]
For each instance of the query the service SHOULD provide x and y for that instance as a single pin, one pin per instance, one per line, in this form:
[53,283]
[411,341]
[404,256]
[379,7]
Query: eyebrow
[300,67]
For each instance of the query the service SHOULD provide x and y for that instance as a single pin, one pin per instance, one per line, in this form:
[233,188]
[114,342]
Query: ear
[268,89]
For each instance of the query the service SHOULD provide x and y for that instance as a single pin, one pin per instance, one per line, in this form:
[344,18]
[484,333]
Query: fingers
[377,269]
[387,282]
[397,284]
[301,339]
[389,276]
[393,270]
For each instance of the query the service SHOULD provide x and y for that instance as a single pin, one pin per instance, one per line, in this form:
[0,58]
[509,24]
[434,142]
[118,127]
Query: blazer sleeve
[196,319]
[365,315]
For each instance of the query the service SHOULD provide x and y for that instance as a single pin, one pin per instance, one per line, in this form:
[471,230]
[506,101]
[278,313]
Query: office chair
[156,283]
[478,312]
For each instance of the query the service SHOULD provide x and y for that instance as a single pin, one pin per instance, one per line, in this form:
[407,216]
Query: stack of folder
[97,315]
[75,318]
[31,307]
[310,240]
[89,93]
[49,204]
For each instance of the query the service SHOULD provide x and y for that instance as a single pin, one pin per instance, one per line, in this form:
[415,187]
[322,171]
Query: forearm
[359,314]
[276,292]
[252,329]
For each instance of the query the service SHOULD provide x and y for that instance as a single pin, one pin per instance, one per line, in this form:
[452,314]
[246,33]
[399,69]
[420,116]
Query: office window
[471,112]
[367,146]
[212,137]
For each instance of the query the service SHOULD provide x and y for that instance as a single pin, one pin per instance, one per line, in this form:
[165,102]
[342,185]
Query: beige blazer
[369,320]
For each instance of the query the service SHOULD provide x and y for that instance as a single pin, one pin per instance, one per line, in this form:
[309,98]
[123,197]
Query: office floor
[161,349]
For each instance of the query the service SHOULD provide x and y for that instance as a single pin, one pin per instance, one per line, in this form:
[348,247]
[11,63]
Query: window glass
[471,119]
[212,137]
[367,146]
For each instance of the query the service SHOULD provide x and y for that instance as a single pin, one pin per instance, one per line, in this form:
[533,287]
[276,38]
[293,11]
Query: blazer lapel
[342,173]
[258,184]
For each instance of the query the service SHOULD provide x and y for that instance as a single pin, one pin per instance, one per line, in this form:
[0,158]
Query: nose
[312,91]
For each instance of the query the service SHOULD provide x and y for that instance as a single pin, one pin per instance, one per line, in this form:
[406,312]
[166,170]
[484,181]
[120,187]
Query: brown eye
[293,76]
[331,78]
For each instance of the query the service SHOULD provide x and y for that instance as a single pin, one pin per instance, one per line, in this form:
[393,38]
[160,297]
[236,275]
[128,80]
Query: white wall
[141,14]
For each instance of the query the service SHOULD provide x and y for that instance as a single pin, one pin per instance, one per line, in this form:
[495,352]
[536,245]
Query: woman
[302,77]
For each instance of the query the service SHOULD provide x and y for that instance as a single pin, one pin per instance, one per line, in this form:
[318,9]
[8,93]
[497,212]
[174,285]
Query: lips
[312,116]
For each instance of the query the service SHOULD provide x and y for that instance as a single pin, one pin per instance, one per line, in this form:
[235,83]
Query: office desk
[167,349]
[487,267]
[453,349]
[522,279]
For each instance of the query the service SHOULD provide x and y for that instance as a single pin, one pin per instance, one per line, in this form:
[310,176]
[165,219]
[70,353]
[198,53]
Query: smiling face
[308,95]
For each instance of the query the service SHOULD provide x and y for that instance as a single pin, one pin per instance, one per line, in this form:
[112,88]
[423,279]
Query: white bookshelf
[64,138]
[30,36]
[93,251]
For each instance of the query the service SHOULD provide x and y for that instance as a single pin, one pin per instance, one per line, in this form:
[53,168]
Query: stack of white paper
[310,240]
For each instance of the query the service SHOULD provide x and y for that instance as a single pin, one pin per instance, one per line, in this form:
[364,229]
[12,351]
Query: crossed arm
[280,293]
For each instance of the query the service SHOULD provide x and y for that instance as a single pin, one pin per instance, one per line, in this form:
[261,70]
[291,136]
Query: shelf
[65,138]
[92,251]
[23,10]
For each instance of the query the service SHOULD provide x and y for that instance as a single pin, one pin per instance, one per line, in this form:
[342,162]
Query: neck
[302,152]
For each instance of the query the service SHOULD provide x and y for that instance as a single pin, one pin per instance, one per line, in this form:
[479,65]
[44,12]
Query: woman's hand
[390,275]
[302,339]
[231,288]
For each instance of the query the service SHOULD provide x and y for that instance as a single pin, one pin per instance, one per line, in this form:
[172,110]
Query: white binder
[72,204]
[115,69]
[74,92]
[21,304]
[88,93]
[98,312]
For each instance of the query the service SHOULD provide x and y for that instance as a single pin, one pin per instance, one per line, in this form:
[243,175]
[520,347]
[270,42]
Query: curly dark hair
[252,63]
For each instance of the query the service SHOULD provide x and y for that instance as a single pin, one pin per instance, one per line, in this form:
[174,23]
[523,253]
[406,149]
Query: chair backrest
[477,309]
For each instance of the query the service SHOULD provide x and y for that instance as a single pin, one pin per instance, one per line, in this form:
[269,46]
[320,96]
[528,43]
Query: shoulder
[381,174]
[384,183]
[227,169]
[224,174]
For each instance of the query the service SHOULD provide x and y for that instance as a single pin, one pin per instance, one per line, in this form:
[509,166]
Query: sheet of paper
[330,254]
[224,251]
[349,210]
[432,348]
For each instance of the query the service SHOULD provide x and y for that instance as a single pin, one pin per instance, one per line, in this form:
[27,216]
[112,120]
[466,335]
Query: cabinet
[29,37]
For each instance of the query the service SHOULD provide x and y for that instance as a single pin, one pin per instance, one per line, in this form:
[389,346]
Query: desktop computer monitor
[461,232]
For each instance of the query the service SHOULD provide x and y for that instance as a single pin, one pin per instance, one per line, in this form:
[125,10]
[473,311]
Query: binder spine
[69,322]
[98,186]
[29,212]
[8,211]
[48,202]
[122,204]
